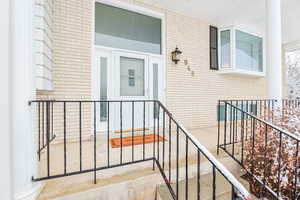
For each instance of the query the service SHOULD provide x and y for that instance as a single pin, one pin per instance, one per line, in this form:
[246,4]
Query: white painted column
[274,45]
[5,105]
[22,90]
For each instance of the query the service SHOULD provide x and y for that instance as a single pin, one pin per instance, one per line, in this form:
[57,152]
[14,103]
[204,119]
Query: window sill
[242,72]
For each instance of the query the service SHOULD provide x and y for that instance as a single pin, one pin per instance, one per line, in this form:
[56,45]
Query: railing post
[95,153]
[154,158]
[225,124]
[39,130]
[65,138]
[219,118]
[177,162]
[48,136]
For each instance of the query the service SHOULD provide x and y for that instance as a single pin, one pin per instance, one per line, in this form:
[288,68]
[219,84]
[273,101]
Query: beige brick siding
[192,99]
[72,62]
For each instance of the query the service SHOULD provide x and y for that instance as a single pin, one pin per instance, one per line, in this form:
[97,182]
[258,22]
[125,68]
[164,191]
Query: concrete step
[121,184]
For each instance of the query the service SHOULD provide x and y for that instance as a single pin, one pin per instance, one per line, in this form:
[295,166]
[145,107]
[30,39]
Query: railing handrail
[248,100]
[219,166]
[287,133]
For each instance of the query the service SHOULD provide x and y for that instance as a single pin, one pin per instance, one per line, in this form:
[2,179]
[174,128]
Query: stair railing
[268,154]
[130,132]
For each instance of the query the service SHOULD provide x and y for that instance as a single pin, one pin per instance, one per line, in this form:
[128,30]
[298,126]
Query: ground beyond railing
[73,120]
[268,154]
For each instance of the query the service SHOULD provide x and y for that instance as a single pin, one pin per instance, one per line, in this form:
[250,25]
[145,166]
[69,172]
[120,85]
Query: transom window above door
[124,29]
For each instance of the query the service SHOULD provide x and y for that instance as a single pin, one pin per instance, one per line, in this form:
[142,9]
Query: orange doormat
[127,141]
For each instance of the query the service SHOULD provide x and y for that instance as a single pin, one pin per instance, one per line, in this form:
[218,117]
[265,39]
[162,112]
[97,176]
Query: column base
[31,194]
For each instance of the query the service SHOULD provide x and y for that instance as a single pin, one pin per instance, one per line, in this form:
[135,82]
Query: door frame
[111,53]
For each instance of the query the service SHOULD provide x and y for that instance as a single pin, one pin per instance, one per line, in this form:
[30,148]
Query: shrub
[271,156]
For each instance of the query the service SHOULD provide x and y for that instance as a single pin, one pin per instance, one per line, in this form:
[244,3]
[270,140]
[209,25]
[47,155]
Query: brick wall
[193,101]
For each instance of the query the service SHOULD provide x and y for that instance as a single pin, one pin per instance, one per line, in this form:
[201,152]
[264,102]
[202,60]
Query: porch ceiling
[248,13]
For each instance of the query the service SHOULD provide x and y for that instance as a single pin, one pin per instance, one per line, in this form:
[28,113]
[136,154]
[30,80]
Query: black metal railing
[290,103]
[268,154]
[84,131]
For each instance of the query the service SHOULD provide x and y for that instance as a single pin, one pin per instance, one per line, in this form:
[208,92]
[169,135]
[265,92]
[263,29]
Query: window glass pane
[119,28]
[132,76]
[225,49]
[103,88]
[155,81]
[155,88]
[249,52]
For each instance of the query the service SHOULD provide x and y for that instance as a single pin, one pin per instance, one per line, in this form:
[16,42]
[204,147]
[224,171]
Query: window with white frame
[125,29]
[240,51]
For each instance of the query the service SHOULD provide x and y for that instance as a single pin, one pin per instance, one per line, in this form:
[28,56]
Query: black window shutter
[213,48]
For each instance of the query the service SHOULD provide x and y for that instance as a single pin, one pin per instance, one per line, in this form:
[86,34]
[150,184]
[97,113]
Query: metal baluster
[108,135]
[256,108]
[225,125]
[121,133]
[260,108]
[265,107]
[177,163]
[219,118]
[198,174]
[230,128]
[39,130]
[242,136]
[233,129]
[80,137]
[132,132]
[95,154]
[279,162]
[247,117]
[52,120]
[43,126]
[170,146]
[296,170]
[48,136]
[158,113]
[233,194]
[272,111]
[186,167]
[269,109]
[253,143]
[265,154]
[164,117]
[65,140]
[154,158]
[236,122]
[144,122]
[214,182]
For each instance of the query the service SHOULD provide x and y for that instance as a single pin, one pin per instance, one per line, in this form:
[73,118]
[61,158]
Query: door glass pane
[225,49]
[249,50]
[124,29]
[103,88]
[132,77]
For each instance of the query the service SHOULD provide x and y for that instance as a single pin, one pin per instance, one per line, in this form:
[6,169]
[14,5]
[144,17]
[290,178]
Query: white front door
[119,75]
[131,84]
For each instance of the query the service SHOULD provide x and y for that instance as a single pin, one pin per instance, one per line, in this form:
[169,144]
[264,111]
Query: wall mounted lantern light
[176,55]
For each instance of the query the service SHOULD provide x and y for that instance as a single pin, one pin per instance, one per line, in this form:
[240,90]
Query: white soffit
[247,13]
